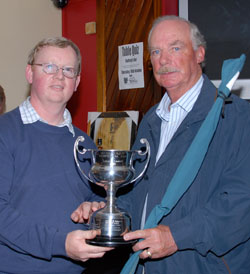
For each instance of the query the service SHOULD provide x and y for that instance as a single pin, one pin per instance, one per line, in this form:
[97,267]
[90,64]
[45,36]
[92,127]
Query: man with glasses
[40,185]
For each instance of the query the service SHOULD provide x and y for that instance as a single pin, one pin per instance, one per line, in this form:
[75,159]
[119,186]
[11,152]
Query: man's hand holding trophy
[111,169]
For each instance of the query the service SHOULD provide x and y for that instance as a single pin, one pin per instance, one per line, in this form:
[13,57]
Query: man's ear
[29,74]
[78,78]
[200,54]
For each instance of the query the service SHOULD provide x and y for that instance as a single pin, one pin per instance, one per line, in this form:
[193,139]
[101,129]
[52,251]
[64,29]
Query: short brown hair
[60,42]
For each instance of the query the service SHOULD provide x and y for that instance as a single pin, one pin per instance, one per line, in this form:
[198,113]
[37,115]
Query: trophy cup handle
[83,151]
[140,152]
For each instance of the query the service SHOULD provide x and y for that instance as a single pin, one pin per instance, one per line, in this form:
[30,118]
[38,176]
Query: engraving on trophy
[113,169]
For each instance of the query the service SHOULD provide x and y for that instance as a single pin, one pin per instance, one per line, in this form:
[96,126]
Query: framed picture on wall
[225,25]
[113,130]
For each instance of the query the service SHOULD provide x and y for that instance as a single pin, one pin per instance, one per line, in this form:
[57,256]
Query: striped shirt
[29,116]
[172,115]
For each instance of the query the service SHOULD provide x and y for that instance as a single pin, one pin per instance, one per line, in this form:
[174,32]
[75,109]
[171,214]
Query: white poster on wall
[131,66]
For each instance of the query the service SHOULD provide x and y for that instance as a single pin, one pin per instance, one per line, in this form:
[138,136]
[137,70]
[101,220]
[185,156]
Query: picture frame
[113,130]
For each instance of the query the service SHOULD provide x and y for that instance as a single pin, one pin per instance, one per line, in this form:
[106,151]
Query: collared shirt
[29,116]
[172,115]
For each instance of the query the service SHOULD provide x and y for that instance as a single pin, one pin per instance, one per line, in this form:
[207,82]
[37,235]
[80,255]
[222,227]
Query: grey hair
[195,35]
[60,42]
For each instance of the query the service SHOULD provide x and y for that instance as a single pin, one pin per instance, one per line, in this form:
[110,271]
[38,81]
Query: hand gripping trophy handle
[112,168]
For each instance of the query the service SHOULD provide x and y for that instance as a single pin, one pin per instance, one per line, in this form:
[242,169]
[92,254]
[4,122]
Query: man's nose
[59,74]
[164,57]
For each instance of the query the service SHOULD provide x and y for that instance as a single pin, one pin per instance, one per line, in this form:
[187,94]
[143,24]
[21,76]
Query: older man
[208,230]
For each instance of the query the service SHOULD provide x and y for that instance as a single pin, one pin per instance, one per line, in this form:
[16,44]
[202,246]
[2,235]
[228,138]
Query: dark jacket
[211,222]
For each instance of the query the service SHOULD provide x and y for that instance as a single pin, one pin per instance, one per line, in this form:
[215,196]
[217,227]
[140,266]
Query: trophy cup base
[109,242]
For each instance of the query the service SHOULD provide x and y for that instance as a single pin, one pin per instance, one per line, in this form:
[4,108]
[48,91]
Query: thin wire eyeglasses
[68,72]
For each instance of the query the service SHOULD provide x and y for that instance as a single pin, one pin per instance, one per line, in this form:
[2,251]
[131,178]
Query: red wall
[170,7]
[74,17]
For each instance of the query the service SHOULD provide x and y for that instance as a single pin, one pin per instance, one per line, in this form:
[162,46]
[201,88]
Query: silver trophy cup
[112,169]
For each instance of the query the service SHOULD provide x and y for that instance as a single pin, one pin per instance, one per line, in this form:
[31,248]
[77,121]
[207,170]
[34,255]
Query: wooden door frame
[101,52]
[101,57]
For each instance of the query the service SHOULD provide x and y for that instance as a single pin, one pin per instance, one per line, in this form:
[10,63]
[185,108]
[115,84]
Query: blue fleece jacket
[40,186]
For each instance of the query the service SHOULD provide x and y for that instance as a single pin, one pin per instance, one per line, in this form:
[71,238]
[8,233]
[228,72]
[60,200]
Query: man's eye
[155,52]
[50,67]
[176,48]
[69,69]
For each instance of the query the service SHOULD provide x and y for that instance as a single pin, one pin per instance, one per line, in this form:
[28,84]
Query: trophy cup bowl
[112,169]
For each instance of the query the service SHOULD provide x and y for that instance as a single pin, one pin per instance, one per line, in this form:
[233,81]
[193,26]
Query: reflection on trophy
[112,169]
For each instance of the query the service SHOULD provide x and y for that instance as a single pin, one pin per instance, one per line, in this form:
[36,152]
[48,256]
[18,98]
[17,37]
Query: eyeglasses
[68,72]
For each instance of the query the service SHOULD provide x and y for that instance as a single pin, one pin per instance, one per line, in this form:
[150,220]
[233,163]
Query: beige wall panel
[22,24]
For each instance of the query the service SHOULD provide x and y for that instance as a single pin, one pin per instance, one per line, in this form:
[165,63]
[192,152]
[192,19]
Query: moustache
[163,70]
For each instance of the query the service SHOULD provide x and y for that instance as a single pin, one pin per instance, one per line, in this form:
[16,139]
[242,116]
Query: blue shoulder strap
[197,150]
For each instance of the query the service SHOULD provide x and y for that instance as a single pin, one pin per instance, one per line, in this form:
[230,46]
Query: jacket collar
[197,115]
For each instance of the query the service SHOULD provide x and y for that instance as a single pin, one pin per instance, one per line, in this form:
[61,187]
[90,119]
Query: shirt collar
[29,116]
[186,101]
